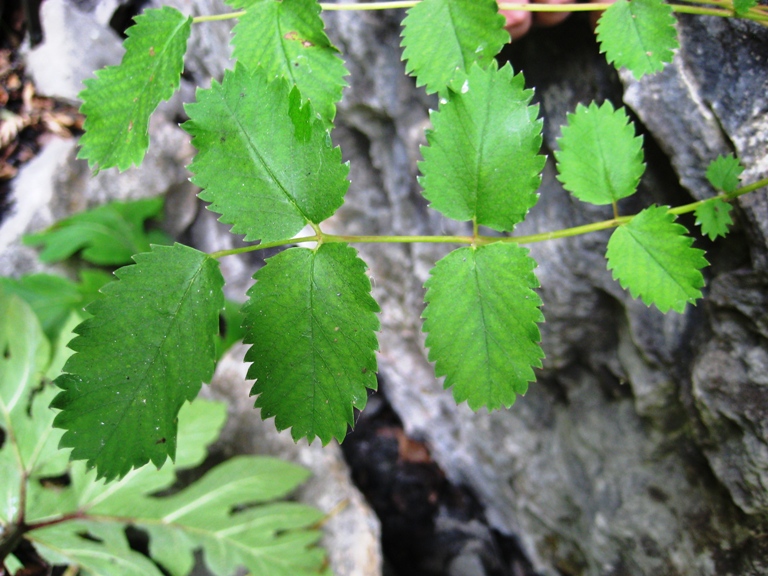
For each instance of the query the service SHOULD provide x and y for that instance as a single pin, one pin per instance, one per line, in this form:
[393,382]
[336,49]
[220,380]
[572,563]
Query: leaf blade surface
[652,257]
[147,349]
[441,37]
[119,101]
[481,323]
[483,158]
[600,159]
[265,164]
[286,38]
[639,35]
[311,321]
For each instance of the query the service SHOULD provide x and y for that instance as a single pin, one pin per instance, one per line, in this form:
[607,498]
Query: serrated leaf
[265,163]
[652,257]
[311,322]
[638,35]
[741,7]
[724,173]
[441,37]
[107,235]
[286,39]
[481,323]
[714,217]
[118,103]
[147,349]
[483,158]
[600,159]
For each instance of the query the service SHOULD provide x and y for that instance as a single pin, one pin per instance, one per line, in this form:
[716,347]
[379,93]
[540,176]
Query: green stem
[725,11]
[478,240]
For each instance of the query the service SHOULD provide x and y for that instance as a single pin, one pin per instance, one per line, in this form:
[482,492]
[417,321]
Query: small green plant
[232,513]
[266,164]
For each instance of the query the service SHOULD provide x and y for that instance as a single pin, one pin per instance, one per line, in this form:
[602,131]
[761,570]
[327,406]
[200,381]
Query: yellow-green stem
[478,240]
[726,9]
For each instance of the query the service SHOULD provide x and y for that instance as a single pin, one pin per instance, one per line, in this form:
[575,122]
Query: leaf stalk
[478,240]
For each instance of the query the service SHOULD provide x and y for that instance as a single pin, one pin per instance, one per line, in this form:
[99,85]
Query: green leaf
[53,298]
[119,101]
[480,320]
[110,554]
[600,159]
[724,173]
[147,349]
[442,37]
[311,321]
[652,257]
[741,7]
[107,235]
[714,217]
[286,39]
[639,35]
[24,356]
[266,164]
[482,162]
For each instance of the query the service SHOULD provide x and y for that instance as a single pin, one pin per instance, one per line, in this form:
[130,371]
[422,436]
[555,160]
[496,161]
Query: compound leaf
[741,7]
[652,257]
[107,235]
[97,548]
[286,39]
[714,217]
[24,356]
[600,159]
[119,101]
[639,35]
[311,322]
[480,320]
[265,162]
[442,37]
[483,161]
[724,173]
[147,349]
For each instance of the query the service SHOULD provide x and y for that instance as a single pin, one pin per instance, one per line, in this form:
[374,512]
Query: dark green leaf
[714,217]
[482,162]
[724,173]
[652,257]
[286,39]
[311,321]
[600,159]
[119,101]
[147,349]
[481,321]
[266,164]
[442,37]
[108,235]
[639,35]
